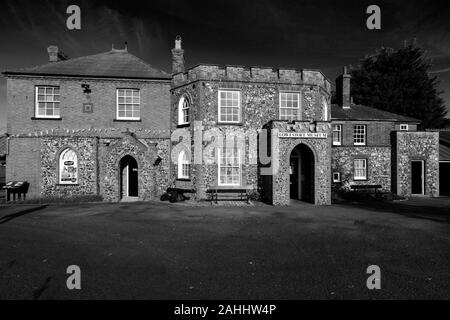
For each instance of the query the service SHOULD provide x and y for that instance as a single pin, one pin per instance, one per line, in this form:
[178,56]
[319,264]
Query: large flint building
[112,125]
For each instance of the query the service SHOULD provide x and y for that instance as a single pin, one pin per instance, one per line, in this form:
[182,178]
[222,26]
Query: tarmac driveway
[158,250]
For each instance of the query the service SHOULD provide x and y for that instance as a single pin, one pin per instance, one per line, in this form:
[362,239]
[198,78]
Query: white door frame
[422,175]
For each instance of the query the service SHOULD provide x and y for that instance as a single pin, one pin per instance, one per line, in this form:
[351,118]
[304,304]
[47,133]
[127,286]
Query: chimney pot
[343,89]
[177,57]
[55,55]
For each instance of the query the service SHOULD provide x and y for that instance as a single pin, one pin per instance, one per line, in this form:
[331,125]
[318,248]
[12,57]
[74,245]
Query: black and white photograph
[224,156]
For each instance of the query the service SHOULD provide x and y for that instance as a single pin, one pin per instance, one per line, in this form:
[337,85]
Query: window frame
[325,108]
[132,103]
[181,163]
[406,127]
[360,178]
[299,108]
[219,154]
[219,106]
[61,166]
[335,143]
[338,179]
[36,101]
[365,135]
[181,115]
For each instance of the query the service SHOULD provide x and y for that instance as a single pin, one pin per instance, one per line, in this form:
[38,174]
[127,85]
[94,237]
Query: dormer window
[184,110]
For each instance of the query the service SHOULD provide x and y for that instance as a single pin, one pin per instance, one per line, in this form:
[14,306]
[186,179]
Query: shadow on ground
[433,209]
[12,216]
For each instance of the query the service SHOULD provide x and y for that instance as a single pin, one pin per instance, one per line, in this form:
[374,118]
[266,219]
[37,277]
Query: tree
[400,82]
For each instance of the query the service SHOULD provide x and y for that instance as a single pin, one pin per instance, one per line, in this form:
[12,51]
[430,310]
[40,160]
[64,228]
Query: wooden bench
[242,191]
[367,187]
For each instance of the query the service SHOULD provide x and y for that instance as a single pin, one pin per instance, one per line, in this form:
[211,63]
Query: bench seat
[242,191]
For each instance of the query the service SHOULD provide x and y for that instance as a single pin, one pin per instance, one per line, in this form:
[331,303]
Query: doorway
[444,181]
[301,173]
[128,178]
[417,177]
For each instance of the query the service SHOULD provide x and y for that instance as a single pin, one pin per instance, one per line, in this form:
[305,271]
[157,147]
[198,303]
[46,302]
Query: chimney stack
[55,55]
[343,89]
[177,57]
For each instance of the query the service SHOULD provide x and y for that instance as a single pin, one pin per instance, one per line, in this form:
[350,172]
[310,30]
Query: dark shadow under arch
[301,173]
[128,173]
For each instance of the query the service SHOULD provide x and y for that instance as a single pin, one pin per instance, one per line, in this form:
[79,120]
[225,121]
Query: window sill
[184,125]
[360,179]
[68,184]
[127,120]
[229,123]
[184,179]
[44,118]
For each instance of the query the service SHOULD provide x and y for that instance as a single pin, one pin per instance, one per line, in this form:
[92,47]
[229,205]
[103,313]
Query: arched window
[68,167]
[183,165]
[184,110]
[325,108]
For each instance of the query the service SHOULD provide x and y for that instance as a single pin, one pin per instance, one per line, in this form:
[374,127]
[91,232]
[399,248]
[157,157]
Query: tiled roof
[444,146]
[359,112]
[112,64]
[3,145]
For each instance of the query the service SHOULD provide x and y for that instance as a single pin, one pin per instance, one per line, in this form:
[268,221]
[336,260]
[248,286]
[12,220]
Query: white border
[117,105]
[239,106]
[299,113]
[218,169]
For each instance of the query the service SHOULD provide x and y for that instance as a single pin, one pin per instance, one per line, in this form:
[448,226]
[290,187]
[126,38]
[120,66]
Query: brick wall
[377,133]
[155,102]
[24,163]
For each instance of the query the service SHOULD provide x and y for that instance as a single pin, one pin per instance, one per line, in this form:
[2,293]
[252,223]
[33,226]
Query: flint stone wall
[321,148]
[378,166]
[417,146]
[86,150]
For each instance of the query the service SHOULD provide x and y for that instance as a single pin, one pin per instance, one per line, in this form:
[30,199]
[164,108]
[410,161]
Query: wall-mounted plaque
[88,108]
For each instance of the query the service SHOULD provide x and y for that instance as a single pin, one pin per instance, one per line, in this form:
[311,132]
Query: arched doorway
[301,173]
[128,178]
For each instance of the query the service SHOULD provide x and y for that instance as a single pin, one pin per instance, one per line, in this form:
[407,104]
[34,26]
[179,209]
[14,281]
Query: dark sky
[304,34]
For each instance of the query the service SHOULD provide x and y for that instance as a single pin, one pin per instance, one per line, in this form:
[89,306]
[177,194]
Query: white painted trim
[239,106]
[180,164]
[339,177]
[423,177]
[360,178]
[340,134]
[117,105]
[218,169]
[36,103]
[180,110]
[299,108]
[406,129]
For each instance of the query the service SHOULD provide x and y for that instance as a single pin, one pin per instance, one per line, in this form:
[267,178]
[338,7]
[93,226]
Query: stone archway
[129,178]
[302,174]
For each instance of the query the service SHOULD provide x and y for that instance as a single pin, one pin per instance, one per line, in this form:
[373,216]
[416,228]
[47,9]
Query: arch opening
[128,178]
[301,173]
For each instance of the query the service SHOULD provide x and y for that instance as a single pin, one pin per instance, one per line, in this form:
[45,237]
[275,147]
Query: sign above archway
[314,135]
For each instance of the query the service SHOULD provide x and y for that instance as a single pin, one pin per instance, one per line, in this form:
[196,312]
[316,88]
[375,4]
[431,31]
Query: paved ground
[172,251]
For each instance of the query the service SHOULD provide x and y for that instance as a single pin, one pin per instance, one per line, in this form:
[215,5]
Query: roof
[3,141]
[360,112]
[112,64]
[444,146]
